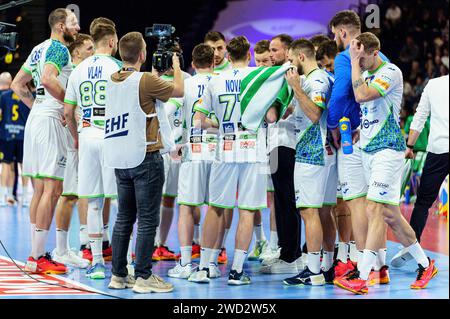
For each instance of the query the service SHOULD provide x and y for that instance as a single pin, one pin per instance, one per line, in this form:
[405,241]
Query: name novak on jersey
[87,89]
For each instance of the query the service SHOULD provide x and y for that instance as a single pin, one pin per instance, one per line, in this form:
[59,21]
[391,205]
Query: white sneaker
[182,272]
[121,282]
[270,254]
[401,258]
[280,267]
[214,271]
[200,276]
[71,259]
[302,262]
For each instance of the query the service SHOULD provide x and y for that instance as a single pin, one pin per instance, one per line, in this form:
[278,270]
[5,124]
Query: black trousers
[434,172]
[282,163]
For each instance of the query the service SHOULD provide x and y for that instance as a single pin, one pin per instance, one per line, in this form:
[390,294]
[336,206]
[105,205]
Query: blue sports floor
[14,233]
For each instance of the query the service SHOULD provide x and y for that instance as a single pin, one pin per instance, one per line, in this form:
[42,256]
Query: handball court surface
[15,235]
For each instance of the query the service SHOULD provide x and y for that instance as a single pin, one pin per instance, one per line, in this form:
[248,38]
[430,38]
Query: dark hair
[370,41]
[318,39]
[100,20]
[79,41]
[286,39]
[57,16]
[305,46]
[346,18]
[262,46]
[214,36]
[203,56]
[238,48]
[328,48]
[130,47]
[100,31]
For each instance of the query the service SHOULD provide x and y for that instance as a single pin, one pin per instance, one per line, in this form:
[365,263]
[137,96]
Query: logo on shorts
[62,161]
[228,128]
[345,190]
[380,185]
[383,193]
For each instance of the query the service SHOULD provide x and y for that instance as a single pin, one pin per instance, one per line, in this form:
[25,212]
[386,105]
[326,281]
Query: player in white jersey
[314,161]
[87,89]
[199,149]
[216,40]
[45,141]
[379,91]
[240,159]
[80,49]
[171,172]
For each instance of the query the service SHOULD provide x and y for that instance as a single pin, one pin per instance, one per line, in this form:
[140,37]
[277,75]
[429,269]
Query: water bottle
[346,135]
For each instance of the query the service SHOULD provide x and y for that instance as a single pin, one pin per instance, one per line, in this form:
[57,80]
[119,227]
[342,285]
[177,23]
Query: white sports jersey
[222,96]
[311,138]
[380,123]
[199,145]
[53,52]
[87,89]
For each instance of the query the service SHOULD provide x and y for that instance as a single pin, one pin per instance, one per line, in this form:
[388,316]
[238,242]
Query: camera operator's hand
[176,61]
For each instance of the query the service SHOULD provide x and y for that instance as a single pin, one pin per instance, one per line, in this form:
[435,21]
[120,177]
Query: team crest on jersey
[228,128]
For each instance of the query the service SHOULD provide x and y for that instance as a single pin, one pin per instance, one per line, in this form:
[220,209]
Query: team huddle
[239,137]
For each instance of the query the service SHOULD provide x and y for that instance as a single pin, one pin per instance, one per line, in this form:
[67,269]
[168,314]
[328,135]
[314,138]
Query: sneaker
[45,265]
[269,261]
[424,275]
[180,271]
[155,256]
[163,253]
[154,283]
[214,271]
[96,271]
[341,269]
[302,262]
[86,253]
[238,279]
[329,275]
[270,254]
[258,250]
[107,251]
[121,282]
[352,283]
[200,276]
[223,259]
[195,251]
[401,258]
[380,277]
[280,267]
[306,277]
[70,259]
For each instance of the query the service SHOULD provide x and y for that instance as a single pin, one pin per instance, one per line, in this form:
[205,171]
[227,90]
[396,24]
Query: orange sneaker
[223,259]
[45,265]
[341,269]
[380,277]
[107,252]
[196,251]
[165,254]
[352,283]
[424,275]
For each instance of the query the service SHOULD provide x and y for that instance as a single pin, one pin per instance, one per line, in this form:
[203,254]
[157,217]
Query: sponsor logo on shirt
[383,84]
[246,145]
[196,139]
[99,111]
[228,146]
[367,123]
[196,148]
[228,128]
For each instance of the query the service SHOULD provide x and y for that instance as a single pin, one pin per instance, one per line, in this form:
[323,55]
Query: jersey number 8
[93,93]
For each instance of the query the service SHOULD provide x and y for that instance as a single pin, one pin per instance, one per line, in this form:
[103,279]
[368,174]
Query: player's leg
[260,238]
[83,233]
[9,176]
[228,220]
[197,220]
[329,238]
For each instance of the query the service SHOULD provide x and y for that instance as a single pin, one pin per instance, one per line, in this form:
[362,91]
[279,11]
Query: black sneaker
[329,275]
[238,279]
[306,277]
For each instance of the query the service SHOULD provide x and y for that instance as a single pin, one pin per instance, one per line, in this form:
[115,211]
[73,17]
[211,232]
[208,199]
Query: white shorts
[351,174]
[45,147]
[248,179]
[95,180]
[70,184]
[331,188]
[193,183]
[383,174]
[339,189]
[171,172]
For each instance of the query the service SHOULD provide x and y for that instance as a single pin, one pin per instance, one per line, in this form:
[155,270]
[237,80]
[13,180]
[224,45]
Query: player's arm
[363,92]
[20,87]
[70,106]
[311,109]
[50,82]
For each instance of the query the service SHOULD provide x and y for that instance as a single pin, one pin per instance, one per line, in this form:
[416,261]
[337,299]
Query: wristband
[410,146]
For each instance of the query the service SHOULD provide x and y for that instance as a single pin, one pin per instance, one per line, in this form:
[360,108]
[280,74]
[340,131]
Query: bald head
[5,80]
